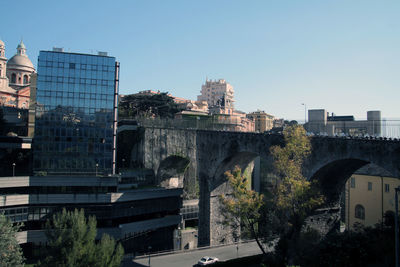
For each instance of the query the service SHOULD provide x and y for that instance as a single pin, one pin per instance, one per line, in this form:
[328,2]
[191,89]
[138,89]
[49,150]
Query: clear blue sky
[339,55]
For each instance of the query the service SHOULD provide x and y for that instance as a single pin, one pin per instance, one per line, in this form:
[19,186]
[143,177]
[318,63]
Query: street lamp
[178,238]
[305,112]
[149,255]
[97,165]
[396,224]
[13,168]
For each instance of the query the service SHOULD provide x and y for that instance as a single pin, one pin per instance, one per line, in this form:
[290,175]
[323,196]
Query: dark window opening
[353,182]
[387,188]
[360,212]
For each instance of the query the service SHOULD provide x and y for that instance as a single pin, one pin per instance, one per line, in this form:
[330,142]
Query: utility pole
[396,224]
[305,112]
[149,255]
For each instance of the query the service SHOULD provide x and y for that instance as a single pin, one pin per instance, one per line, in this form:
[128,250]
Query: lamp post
[13,168]
[97,165]
[396,224]
[149,255]
[305,112]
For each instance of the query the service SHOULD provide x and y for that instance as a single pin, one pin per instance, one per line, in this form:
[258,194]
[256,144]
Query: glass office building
[76,114]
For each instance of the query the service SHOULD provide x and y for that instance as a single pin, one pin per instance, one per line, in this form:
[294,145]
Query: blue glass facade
[75,123]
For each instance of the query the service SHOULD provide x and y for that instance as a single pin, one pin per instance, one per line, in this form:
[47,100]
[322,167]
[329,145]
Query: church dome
[19,60]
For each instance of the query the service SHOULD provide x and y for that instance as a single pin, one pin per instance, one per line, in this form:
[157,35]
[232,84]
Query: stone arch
[26,79]
[332,178]
[218,182]
[171,171]
[218,185]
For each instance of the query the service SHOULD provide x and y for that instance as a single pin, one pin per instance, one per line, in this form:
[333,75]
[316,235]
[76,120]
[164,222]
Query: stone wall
[159,144]
[211,153]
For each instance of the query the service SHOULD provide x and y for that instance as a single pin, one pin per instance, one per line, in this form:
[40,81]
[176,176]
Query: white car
[207,260]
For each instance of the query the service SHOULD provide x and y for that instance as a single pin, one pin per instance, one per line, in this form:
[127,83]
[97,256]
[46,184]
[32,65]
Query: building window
[72,65]
[25,79]
[369,186]
[13,78]
[353,182]
[387,188]
[360,212]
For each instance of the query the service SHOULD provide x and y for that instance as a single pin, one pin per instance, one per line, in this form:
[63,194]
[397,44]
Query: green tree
[10,251]
[242,208]
[157,105]
[295,197]
[71,242]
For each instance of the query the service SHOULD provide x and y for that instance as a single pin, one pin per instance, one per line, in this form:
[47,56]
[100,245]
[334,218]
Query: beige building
[218,93]
[263,121]
[369,194]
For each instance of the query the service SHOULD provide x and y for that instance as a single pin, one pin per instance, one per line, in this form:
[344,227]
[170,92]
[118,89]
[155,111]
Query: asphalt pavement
[189,258]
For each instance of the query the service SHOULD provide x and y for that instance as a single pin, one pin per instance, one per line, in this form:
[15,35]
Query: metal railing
[362,128]
[373,129]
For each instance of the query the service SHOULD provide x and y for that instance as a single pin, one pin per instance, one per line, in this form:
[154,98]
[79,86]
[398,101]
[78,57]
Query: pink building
[15,78]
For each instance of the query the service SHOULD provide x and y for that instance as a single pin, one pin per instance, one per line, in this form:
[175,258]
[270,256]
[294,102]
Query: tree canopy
[295,194]
[295,197]
[282,213]
[71,242]
[141,105]
[10,251]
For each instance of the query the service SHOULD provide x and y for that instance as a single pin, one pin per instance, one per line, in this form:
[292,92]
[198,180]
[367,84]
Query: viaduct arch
[211,153]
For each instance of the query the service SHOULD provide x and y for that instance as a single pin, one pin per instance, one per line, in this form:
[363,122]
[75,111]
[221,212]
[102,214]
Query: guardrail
[389,129]
[168,252]
[361,128]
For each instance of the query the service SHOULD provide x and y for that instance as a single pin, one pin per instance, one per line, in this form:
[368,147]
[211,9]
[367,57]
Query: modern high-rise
[76,113]
[218,93]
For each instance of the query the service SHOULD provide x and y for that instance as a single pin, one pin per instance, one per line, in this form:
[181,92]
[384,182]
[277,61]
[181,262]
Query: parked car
[207,260]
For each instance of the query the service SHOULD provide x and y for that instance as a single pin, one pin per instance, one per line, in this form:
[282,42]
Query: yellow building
[368,197]
[263,121]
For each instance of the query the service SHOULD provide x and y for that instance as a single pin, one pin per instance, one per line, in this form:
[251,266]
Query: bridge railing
[361,128]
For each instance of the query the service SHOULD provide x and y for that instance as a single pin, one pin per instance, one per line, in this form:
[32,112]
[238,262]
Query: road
[189,258]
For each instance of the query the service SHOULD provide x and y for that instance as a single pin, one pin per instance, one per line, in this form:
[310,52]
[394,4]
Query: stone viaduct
[211,153]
